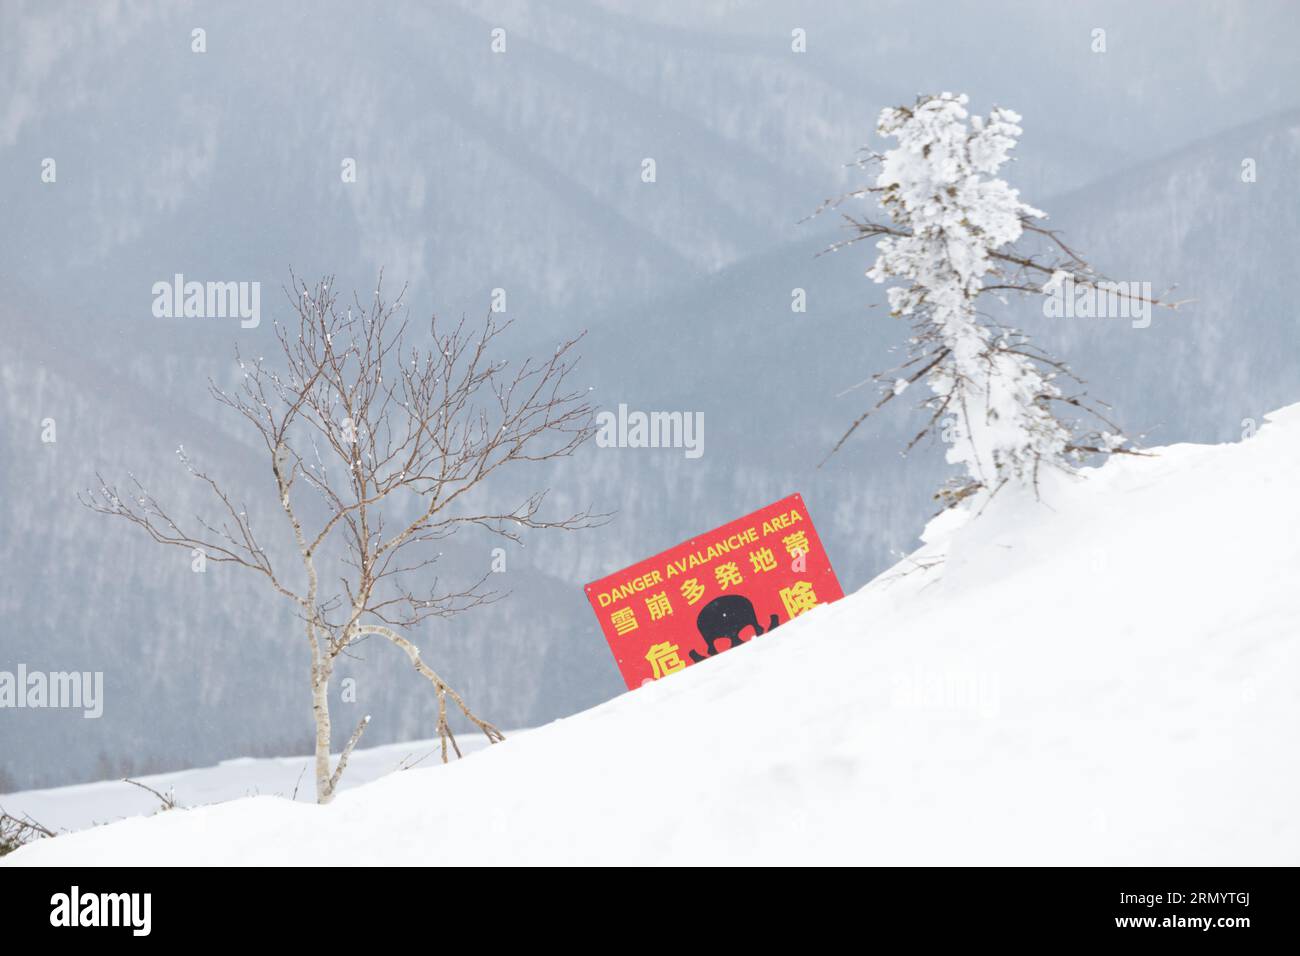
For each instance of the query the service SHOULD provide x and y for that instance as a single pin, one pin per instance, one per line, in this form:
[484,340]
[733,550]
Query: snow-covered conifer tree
[951,234]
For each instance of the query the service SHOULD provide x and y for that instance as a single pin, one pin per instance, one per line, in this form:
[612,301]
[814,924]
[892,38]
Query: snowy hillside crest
[1099,740]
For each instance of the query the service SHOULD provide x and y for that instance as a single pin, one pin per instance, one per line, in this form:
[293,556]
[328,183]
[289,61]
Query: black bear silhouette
[727,616]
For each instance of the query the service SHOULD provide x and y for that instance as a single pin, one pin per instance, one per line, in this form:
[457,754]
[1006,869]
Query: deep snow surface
[972,705]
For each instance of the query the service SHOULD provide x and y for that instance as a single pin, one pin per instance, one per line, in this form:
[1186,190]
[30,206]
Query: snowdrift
[1107,675]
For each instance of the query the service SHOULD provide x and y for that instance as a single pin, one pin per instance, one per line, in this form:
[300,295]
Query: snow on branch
[953,231]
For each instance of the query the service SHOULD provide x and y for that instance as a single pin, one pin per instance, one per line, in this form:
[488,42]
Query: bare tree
[378,441]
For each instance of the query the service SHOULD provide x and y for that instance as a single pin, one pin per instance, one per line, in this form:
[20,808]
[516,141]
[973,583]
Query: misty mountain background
[522,171]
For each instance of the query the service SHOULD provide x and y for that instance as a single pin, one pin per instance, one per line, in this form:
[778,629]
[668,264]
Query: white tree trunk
[320,708]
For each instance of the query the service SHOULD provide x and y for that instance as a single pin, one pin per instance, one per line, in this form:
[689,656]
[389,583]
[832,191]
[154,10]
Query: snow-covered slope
[82,805]
[1104,676]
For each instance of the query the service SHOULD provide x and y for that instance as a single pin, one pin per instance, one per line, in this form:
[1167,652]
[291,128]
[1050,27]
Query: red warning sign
[714,592]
